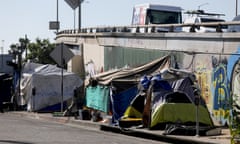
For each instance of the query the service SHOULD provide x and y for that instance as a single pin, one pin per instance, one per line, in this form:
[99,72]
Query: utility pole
[20,49]
[26,46]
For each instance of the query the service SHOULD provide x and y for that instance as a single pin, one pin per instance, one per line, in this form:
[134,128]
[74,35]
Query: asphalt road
[22,130]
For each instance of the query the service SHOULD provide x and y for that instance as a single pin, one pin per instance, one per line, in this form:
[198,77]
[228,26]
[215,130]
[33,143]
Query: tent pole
[197,120]
[150,109]
[62,77]
[197,102]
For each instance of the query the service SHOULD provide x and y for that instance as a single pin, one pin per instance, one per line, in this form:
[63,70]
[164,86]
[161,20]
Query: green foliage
[234,129]
[234,123]
[39,51]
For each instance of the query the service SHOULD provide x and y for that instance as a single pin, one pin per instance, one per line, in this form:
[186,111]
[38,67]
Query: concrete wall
[94,53]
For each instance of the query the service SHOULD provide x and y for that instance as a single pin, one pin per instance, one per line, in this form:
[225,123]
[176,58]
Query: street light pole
[57,16]
[55,25]
[236,7]
[74,4]
[202,5]
[80,14]
[2,52]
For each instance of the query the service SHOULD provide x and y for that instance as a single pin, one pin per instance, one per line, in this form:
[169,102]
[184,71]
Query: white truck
[145,14]
[198,17]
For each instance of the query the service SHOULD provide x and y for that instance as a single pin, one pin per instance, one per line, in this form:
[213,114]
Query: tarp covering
[123,83]
[98,98]
[46,80]
[120,101]
[5,87]
[133,74]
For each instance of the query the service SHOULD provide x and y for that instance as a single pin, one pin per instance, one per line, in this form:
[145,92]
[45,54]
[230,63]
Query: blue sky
[31,17]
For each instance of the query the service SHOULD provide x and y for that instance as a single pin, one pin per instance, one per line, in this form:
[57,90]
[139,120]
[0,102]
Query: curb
[158,136]
[142,133]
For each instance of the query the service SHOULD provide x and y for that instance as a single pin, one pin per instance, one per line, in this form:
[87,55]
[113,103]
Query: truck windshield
[163,17]
[211,20]
[206,20]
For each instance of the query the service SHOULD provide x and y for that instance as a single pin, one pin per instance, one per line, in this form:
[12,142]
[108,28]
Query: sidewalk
[224,138]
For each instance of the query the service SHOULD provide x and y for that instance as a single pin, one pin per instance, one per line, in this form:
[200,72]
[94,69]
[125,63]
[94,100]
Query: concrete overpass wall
[196,42]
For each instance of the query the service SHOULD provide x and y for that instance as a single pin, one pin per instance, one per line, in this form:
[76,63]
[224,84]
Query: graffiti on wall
[234,77]
[220,91]
[204,82]
[219,83]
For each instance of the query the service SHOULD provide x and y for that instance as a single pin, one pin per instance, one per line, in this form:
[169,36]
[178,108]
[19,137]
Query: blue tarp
[121,101]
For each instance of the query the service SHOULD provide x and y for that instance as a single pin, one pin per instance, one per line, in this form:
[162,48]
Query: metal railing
[152,28]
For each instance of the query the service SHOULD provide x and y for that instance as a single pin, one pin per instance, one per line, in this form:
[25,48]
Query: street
[22,130]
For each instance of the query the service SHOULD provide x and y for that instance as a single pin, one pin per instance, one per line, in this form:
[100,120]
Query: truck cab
[146,14]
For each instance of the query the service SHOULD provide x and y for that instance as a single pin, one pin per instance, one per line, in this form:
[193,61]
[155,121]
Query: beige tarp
[134,74]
